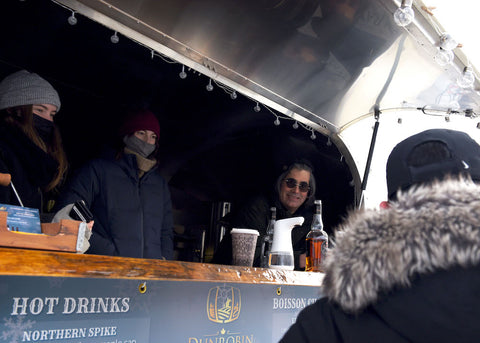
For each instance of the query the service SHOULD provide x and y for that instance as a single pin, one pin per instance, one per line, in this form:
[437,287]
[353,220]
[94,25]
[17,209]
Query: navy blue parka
[132,215]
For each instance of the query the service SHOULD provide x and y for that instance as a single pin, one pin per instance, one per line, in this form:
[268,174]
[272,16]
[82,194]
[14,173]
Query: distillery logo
[223,304]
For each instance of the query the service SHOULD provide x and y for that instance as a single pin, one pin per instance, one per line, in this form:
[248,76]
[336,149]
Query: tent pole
[370,154]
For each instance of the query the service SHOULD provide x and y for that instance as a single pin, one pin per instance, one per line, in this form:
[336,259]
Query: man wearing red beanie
[128,197]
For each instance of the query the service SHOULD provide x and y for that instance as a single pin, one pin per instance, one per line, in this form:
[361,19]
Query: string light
[257,107]
[228,90]
[114,38]
[72,20]
[443,57]
[404,14]
[233,94]
[467,78]
[445,54]
[447,42]
[209,87]
[183,74]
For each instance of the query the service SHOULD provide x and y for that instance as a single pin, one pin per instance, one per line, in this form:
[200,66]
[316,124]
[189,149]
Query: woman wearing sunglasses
[293,196]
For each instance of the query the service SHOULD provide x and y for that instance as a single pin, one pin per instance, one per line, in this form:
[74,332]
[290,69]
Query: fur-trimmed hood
[429,228]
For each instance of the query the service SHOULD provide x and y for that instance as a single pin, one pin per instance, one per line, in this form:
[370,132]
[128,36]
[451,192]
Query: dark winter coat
[256,215]
[132,215]
[410,273]
[30,167]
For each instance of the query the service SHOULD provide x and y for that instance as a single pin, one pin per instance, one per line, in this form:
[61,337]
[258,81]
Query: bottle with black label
[317,242]
[268,239]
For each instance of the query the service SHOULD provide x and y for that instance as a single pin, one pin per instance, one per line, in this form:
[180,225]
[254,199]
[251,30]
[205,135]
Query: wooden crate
[55,236]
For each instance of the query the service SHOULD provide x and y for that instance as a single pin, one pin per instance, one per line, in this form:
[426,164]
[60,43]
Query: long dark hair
[21,117]
[301,165]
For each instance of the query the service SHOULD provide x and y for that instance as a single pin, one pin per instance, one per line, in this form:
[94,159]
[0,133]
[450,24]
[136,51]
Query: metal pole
[370,154]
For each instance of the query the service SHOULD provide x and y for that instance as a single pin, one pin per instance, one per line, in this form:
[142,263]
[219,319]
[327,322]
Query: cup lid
[242,230]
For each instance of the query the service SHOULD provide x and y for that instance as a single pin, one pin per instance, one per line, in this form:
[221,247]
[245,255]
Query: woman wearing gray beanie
[30,145]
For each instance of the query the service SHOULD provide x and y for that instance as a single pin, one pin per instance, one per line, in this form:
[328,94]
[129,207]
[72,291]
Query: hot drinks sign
[79,310]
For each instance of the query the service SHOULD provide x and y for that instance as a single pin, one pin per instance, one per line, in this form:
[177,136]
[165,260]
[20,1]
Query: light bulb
[404,14]
[467,78]
[312,136]
[72,20]
[182,74]
[276,122]
[443,57]
[114,38]
[257,108]
[209,86]
[233,95]
[329,142]
[295,125]
[447,42]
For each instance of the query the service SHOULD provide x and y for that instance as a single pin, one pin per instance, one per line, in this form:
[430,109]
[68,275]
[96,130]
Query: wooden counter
[67,297]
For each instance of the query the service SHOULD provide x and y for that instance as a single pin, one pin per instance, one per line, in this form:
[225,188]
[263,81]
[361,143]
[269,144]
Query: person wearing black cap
[293,196]
[30,144]
[411,272]
[129,199]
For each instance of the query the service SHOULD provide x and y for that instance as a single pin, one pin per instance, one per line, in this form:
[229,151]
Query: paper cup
[244,242]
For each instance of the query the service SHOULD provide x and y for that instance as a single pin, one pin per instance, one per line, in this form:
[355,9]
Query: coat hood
[429,228]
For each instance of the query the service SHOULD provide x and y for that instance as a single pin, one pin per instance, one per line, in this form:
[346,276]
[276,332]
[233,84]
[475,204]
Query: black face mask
[44,128]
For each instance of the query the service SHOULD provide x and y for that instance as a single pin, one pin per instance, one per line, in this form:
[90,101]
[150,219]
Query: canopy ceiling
[324,62]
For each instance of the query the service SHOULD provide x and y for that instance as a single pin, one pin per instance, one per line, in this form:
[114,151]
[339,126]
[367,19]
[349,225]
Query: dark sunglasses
[292,183]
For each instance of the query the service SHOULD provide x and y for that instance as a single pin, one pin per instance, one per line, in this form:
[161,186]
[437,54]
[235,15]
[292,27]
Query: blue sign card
[74,310]
[22,219]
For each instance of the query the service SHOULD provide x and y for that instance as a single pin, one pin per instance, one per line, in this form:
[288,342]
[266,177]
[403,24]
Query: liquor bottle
[268,239]
[317,242]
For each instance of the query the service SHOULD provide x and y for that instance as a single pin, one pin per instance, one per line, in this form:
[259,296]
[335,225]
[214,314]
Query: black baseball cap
[461,156]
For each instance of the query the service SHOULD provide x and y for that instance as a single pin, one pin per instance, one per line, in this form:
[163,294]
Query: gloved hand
[84,230]
[84,234]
